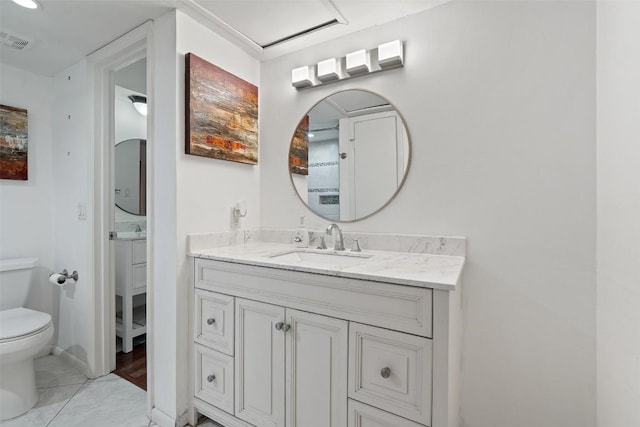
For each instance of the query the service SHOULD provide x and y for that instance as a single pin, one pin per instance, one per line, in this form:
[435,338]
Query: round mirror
[349,155]
[130,176]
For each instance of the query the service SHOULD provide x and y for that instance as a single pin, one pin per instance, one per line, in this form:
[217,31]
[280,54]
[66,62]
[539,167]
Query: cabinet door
[259,371]
[316,370]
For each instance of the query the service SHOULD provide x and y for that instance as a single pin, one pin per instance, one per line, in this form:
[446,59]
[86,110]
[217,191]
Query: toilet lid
[18,322]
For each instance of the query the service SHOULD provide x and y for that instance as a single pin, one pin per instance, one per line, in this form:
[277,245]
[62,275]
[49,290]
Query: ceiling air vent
[302,33]
[14,40]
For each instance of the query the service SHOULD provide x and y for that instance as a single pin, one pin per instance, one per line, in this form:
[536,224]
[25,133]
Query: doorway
[104,66]
[130,221]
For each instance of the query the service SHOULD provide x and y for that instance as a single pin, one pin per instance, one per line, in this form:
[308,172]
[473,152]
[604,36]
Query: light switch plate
[82,211]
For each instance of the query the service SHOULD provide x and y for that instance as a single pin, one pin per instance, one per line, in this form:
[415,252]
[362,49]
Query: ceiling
[324,117]
[62,32]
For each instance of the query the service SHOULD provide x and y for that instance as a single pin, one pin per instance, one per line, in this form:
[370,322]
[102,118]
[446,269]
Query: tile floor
[69,399]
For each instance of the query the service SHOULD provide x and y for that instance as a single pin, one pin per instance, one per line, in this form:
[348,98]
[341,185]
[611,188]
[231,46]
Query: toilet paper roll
[57,279]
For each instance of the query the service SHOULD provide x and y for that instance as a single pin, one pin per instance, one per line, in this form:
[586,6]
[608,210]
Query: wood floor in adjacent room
[133,366]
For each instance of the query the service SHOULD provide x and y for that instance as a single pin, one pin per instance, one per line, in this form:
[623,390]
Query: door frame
[102,64]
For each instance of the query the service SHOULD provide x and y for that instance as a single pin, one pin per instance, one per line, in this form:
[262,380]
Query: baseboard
[72,360]
[162,419]
[218,415]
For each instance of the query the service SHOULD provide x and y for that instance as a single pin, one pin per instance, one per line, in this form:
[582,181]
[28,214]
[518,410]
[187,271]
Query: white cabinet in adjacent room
[131,280]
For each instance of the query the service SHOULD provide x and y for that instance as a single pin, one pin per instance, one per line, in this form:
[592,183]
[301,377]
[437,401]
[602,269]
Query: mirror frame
[406,172]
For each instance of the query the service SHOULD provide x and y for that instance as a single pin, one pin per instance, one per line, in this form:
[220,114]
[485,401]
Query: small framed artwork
[221,113]
[14,143]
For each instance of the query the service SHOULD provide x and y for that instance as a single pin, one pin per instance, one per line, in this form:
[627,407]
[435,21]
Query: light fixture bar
[361,62]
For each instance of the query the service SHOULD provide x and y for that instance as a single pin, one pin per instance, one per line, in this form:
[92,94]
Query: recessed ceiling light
[29,4]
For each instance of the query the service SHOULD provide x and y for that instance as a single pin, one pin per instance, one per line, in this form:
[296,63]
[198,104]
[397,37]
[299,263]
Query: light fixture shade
[328,70]
[357,62]
[139,103]
[302,77]
[29,4]
[390,54]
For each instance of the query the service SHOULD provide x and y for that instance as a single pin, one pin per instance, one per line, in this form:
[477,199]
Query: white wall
[618,214]
[72,237]
[196,194]
[499,103]
[26,223]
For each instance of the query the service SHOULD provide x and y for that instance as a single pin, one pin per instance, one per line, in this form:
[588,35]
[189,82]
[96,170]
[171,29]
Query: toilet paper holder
[65,275]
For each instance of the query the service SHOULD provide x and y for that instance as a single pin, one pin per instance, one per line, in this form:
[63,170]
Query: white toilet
[23,333]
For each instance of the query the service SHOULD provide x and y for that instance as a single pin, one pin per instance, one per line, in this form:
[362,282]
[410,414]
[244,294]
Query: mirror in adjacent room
[349,155]
[130,176]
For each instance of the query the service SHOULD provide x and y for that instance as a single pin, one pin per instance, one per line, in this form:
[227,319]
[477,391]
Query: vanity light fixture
[390,54]
[29,4]
[328,70]
[140,103]
[357,62]
[302,77]
[354,64]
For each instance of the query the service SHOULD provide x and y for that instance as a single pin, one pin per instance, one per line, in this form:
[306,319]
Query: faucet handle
[356,246]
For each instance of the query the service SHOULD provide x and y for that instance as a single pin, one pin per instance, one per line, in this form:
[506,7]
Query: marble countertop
[131,235]
[412,269]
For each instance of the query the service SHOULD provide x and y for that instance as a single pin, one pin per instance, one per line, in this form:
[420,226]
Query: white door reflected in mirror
[349,155]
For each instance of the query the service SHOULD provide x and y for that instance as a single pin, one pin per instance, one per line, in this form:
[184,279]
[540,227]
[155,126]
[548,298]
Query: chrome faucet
[339,240]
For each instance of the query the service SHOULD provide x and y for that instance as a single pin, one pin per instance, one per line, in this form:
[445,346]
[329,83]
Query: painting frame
[14,143]
[221,113]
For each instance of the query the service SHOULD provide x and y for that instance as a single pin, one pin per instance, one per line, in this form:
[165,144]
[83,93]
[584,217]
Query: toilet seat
[19,323]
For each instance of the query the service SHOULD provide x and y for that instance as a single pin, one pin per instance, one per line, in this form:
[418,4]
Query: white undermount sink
[131,234]
[334,259]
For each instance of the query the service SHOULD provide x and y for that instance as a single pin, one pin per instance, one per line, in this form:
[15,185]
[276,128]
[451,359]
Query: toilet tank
[15,281]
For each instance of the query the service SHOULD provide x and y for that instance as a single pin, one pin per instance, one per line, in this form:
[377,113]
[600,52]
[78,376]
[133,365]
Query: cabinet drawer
[391,370]
[403,308]
[139,277]
[361,415]
[139,253]
[214,378]
[214,321]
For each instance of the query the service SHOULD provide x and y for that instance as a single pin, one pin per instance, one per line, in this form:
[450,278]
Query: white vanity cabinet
[311,350]
[131,280]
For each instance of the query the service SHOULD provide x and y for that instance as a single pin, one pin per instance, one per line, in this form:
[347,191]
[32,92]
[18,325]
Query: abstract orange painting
[221,113]
[13,143]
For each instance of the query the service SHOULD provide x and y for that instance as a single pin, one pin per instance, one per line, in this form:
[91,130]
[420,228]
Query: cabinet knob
[286,327]
[279,326]
[385,372]
[211,321]
[211,378]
